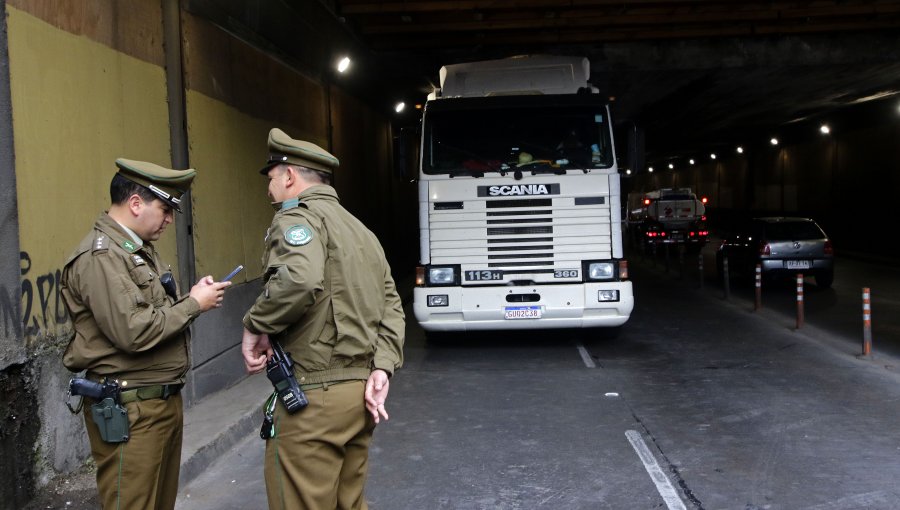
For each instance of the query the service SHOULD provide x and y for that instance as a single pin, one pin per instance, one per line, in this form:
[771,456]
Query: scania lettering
[519,201]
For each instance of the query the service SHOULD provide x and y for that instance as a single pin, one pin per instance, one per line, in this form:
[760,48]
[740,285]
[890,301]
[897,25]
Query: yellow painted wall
[234,95]
[231,209]
[77,105]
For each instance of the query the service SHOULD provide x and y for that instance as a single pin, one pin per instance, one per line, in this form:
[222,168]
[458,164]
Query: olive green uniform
[128,329]
[329,300]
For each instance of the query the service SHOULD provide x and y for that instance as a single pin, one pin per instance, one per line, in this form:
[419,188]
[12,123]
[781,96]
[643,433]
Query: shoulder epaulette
[101,243]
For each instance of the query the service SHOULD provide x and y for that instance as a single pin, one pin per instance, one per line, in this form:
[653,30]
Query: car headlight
[601,271]
[445,275]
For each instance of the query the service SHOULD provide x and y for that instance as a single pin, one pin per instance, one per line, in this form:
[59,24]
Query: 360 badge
[298,235]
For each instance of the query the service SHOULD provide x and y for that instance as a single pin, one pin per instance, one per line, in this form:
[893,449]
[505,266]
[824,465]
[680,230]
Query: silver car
[781,246]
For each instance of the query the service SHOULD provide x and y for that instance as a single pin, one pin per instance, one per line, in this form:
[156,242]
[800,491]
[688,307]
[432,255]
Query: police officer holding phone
[132,337]
[330,302]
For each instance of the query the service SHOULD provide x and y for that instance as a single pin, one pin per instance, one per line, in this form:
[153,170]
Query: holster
[112,420]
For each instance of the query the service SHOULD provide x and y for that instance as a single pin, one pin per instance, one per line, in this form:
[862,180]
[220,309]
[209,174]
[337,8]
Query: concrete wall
[87,84]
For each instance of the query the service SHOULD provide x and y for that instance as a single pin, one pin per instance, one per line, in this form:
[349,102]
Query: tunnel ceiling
[693,74]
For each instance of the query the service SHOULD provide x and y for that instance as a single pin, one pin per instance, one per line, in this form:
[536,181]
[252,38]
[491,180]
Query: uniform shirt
[329,298]
[126,327]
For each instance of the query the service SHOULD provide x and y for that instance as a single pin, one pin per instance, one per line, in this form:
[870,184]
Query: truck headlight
[600,271]
[442,275]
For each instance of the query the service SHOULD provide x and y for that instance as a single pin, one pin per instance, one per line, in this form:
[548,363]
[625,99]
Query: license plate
[522,312]
[796,264]
[482,276]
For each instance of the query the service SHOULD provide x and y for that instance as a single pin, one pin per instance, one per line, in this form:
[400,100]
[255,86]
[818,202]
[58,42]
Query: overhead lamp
[824,129]
[671,166]
[343,65]
[650,169]
[774,141]
[740,150]
[399,107]
[712,156]
[628,172]
[691,161]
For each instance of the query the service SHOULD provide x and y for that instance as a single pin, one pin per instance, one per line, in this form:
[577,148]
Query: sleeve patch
[298,235]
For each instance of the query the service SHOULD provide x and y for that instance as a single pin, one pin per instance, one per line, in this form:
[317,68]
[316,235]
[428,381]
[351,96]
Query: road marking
[665,489]
[585,356]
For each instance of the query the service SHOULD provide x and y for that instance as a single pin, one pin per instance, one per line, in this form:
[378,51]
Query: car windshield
[538,139]
[793,231]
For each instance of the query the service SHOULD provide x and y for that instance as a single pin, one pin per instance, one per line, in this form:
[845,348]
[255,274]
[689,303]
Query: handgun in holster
[109,415]
[280,370]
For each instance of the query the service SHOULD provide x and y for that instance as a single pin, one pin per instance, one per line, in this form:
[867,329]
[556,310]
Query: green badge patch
[298,235]
[128,245]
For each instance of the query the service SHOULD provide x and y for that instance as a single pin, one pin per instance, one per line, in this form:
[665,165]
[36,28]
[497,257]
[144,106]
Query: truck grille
[521,236]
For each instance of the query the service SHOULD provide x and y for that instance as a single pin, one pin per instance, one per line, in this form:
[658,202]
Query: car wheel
[824,280]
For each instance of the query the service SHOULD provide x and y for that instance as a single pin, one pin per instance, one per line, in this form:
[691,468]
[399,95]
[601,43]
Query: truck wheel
[824,280]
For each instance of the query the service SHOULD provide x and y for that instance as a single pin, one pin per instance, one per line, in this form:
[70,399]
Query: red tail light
[765,250]
[829,249]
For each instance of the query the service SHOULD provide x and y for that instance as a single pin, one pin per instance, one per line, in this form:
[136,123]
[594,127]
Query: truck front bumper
[561,306]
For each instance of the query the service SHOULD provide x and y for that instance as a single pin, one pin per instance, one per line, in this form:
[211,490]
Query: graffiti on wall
[41,313]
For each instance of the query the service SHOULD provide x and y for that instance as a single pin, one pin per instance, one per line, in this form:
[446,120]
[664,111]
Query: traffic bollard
[799,300]
[700,258]
[758,303]
[726,280]
[867,323]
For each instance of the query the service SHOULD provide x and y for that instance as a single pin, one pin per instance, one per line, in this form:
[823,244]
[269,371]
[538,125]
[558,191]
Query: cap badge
[298,235]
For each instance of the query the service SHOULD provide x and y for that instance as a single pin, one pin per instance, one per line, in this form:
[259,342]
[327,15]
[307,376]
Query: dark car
[782,246]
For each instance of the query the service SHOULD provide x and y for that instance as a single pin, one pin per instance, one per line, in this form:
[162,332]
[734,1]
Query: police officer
[330,301]
[131,326]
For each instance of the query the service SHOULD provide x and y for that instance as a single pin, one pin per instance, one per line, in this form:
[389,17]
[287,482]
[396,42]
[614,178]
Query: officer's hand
[376,394]
[256,351]
[209,293]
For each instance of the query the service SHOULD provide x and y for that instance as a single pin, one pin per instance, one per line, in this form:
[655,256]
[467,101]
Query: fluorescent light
[399,107]
[343,65]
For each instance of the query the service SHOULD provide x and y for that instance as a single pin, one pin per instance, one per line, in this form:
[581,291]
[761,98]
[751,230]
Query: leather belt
[163,391]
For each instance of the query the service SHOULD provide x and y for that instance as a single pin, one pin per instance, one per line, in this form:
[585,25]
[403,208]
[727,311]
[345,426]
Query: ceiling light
[691,161]
[774,141]
[671,166]
[650,169]
[740,150]
[628,172]
[712,156]
[824,129]
[343,64]
[399,107]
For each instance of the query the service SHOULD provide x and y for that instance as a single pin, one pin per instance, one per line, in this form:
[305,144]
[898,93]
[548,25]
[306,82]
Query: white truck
[669,216]
[519,201]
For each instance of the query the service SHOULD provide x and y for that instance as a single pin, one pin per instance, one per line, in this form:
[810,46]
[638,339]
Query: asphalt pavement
[701,402]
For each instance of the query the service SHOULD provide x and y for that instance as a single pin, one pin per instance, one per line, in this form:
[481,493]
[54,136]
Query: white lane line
[585,356]
[665,489]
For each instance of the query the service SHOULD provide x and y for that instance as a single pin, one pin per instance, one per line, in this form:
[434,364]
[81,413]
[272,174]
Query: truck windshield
[549,138]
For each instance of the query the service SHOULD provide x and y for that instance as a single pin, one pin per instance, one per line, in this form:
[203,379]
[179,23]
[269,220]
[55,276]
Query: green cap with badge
[168,184]
[285,150]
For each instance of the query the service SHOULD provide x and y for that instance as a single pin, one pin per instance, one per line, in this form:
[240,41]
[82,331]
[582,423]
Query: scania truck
[519,201]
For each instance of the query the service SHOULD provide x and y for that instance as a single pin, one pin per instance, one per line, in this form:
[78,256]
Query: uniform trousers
[319,456]
[141,473]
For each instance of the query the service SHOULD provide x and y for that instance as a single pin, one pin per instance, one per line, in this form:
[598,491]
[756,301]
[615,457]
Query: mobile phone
[231,274]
